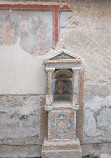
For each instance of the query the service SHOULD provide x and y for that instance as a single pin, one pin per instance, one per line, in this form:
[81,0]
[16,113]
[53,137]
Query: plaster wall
[88,36]
[22,83]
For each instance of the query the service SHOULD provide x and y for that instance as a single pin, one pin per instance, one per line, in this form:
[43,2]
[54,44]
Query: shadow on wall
[89,156]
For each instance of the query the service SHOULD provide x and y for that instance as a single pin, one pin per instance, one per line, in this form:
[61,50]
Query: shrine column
[76,86]
[49,85]
[75,98]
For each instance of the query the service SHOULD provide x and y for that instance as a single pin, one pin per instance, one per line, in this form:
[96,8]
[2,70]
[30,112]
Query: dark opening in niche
[63,84]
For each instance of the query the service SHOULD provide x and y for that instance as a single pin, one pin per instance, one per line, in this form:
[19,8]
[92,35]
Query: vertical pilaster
[49,85]
[79,73]
[76,86]
[74,124]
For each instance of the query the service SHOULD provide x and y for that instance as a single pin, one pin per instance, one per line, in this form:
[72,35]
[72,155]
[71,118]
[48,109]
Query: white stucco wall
[20,72]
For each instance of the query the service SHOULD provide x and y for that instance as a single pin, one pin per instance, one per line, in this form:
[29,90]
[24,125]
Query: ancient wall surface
[22,78]
[88,35]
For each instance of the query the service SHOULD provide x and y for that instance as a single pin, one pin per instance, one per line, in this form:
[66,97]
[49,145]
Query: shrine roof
[62,56]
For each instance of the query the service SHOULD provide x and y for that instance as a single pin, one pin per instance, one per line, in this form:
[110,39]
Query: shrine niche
[63,99]
[63,84]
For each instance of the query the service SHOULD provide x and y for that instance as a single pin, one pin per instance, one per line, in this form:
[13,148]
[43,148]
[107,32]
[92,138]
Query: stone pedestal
[62,141]
[61,149]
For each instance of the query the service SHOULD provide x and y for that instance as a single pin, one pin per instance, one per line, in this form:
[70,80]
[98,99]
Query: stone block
[105,156]
[99,89]
[62,149]
[97,113]
[19,120]
[95,150]
[62,154]
[43,119]
[64,124]
[20,151]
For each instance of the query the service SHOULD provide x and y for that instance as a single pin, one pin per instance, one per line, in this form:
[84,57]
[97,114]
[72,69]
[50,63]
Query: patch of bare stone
[101,156]
[92,156]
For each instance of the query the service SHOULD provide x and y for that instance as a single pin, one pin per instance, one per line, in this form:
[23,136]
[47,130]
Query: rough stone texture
[19,118]
[33,1]
[61,145]
[43,120]
[20,151]
[94,150]
[19,125]
[105,156]
[67,149]
[97,113]
[88,35]
[62,154]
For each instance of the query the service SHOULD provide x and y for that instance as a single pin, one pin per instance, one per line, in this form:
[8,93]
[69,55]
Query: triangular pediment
[62,56]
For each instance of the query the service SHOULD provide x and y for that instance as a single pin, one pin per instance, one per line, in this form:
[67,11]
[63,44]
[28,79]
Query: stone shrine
[63,74]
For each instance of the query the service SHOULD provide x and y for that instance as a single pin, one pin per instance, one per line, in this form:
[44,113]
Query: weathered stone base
[20,151]
[61,149]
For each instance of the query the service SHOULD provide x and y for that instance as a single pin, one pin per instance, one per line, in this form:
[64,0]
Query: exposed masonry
[19,120]
[97,113]
[21,113]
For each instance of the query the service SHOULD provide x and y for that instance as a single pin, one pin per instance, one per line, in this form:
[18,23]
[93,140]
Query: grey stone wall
[98,113]
[19,120]
[19,126]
